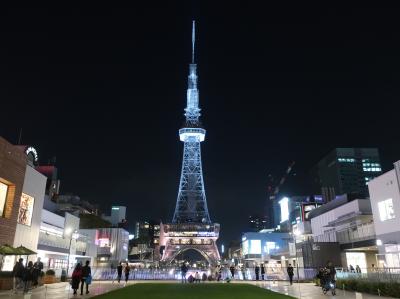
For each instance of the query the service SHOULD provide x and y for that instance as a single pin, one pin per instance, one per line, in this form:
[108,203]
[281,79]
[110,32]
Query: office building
[257,223]
[346,170]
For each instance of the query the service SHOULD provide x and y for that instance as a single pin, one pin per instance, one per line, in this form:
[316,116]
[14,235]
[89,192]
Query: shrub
[391,289]
[50,272]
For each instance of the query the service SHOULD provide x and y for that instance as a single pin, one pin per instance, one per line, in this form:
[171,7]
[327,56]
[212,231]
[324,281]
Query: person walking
[127,270]
[119,272]
[184,270]
[28,277]
[358,269]
[290,272]
[76,278]
[257,271]
[18,273]
[351,268]
[86,277]
[37,270]
[262,268]
[232,269]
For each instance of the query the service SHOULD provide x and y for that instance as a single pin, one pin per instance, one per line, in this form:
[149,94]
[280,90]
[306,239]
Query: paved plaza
[301,290]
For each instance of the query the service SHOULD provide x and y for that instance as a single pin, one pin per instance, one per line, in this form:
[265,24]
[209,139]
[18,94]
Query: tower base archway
[180,237]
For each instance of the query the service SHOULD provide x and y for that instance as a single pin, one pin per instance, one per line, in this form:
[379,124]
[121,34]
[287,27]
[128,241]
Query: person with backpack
[86,277]
[76,278]
[18,273]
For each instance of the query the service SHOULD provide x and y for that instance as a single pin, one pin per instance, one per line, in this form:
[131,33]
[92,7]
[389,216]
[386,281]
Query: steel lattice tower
[191,204]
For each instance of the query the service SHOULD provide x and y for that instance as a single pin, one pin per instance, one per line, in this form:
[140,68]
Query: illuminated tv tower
[191,204]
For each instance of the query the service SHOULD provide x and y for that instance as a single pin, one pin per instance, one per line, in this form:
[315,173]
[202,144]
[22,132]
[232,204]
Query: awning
[22,250]
[8,250]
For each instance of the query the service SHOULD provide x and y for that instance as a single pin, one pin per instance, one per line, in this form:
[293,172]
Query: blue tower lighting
[191,204]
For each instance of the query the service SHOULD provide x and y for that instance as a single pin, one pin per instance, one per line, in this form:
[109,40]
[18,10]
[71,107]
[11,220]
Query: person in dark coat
[184,270]
[18,273]
[262,271]
[290,272]
[257,271]
[76,278]
[86,272]
[28,276]
[119,272]
[232,269]
[127,271]
[37,269]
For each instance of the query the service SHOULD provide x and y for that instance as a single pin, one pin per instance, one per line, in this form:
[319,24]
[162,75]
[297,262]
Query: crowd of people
[27,276]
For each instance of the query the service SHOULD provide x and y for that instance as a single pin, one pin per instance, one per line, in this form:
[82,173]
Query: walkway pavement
[310,291]
[63,290]
[301,290]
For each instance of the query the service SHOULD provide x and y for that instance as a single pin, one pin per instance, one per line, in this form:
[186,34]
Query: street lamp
[74,236]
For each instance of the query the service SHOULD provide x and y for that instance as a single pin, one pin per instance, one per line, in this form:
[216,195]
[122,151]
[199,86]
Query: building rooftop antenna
[193,39]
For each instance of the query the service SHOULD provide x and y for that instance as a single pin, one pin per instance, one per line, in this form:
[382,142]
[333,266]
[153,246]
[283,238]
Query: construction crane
[274,190]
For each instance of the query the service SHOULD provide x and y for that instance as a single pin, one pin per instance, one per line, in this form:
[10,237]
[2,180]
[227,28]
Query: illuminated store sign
[26,209]
[284,203]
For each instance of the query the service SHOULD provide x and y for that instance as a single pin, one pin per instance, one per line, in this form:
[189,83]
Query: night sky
[103,89]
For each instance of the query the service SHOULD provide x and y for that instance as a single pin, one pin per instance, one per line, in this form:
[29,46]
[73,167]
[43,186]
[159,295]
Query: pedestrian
[197,277]
[18,273]
[76,278]
[86,277]
[184,270]
[232,269]
[127,270]
[28,277]
[38,267]
[119,272]
[257,271]
[358,269]
[262,271]
[331,272]
[290,272]
[351,268]
[219,272]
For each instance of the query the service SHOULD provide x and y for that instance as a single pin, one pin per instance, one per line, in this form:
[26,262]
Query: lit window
[386,211]
[255,246]
[3,197]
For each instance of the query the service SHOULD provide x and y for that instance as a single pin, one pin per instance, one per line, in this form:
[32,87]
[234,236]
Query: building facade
[385,202]
[348,223]
[13,163]
[346,170]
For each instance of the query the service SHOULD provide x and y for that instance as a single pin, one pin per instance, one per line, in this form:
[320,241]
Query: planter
[48,279]
[6,283]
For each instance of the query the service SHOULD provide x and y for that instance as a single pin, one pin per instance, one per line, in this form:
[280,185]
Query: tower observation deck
[191,226]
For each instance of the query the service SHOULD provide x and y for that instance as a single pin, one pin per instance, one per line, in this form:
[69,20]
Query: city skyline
[277,88]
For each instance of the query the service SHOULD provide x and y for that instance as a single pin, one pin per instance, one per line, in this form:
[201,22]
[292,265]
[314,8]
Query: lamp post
[75,236]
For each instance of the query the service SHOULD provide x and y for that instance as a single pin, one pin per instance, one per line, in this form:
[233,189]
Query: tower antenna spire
[193,38]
